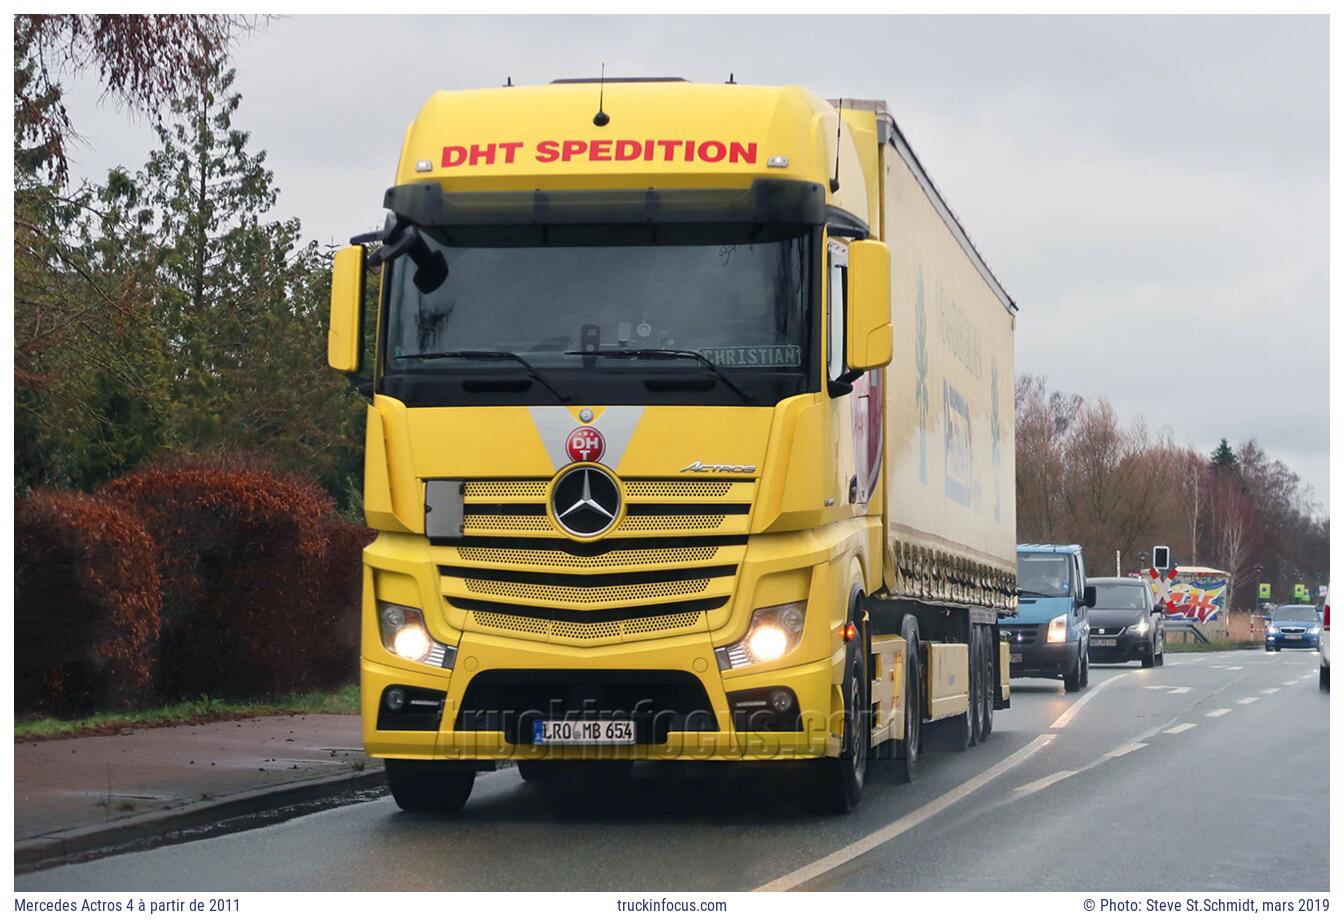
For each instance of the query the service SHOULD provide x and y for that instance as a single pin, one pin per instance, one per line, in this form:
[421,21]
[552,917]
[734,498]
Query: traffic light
[1161,558]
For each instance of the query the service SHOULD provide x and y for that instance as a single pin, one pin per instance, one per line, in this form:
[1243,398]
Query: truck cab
[1049,638]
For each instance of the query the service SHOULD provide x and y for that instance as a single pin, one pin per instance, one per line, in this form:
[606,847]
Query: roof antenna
[731,81]
[601,118]
[508,81]
[835,180]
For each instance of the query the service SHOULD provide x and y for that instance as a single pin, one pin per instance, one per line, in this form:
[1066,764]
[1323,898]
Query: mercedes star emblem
[586,501]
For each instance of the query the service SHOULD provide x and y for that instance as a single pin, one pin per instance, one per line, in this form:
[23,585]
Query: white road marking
[1270,690]
[1183,727]
[1178,690]
[1247,700]
[1067,716]
[1050,780]
[1289,683]
[1124,749]
[1226,667]
[1216,713]
[913,819]
[1169,688]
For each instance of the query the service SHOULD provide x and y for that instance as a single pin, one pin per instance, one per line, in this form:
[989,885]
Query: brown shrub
[242,553]
[87,605]
[336,661]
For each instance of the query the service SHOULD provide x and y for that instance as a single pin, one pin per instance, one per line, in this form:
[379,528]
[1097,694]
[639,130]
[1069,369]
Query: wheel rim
[858,744]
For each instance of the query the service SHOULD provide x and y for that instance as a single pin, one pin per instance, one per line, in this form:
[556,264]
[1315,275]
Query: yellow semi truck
[691,439]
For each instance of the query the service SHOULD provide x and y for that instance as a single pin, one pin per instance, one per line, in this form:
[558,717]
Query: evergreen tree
[1223,456]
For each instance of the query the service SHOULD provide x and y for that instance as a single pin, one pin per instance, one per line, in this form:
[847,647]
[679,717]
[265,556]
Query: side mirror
[1158,608]
[345,334]
[1090,596]
[868,311]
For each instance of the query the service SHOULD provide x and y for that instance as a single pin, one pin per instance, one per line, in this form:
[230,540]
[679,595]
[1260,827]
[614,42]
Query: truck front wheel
[429,786]
[841,779]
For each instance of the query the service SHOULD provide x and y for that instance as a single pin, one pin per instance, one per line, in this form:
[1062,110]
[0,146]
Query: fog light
[781,700]
[395,698]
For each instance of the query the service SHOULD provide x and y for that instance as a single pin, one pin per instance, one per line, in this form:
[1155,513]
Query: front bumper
[1294,641]
[491,720]
[1031,656]
[1111,649]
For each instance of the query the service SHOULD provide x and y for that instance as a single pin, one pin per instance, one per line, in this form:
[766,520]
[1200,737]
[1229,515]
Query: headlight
[1059,629]
[1140,627]
[403,632]
[1313,631]
[1271,628]
[772,634]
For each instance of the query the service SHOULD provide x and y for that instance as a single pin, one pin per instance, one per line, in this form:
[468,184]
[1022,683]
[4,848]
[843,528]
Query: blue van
[1049,636]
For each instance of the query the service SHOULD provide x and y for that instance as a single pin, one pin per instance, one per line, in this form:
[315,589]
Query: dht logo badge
[585,445]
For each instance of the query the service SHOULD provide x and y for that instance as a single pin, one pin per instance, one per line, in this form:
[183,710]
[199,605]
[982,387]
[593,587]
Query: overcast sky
[1151,190]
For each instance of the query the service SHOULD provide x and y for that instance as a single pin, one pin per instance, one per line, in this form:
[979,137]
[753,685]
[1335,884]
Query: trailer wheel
[908,763]
[429,786]
[987,683]
[975,711]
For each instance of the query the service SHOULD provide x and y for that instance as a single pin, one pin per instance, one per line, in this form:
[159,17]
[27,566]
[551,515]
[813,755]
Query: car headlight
[403,632]
[1271,628]
[772,634]
[1314,631]
[1141,628]
[1058,630]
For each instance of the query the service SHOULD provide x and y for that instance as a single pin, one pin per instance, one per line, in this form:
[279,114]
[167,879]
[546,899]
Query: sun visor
[767,201]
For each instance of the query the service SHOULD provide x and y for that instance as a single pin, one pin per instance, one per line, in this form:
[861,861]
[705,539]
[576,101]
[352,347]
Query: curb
[64,846]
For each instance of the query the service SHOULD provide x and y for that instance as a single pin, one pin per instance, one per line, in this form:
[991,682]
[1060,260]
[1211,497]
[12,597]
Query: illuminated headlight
[1140,627]
[403,632]
[773,633]
[1058,630]
[1272,628]
[1314,631]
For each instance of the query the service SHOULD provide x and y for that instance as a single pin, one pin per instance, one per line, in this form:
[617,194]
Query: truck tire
[977,680]
[907,763]
[840,779]
[430,786]
[987,683]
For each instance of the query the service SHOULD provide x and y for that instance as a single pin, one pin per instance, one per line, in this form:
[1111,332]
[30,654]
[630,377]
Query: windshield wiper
[492,356]
[667,353]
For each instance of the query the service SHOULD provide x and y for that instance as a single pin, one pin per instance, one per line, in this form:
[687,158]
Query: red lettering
[712,151]
[739,153]
[669,148]
[510,149]
[454,156]
[648,150]
[486,153]
[548,151]
[628,150]
[690,151]
[572,149]
[599,150]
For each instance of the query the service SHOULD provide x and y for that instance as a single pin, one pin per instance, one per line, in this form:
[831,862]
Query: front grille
[511,701]
[673,557]
[1024,637]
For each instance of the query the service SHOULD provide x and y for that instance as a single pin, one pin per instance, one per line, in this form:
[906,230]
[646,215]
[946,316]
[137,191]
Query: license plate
[1101,641]
[588,731]
[1014,659]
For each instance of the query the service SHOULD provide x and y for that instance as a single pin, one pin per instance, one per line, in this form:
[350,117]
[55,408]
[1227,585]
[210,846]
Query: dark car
[1126,623]
[1293,626]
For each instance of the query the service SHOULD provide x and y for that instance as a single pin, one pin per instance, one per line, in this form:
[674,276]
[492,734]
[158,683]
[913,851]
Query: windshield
[1045,574]
[738,295]
[1122,597]
[1295,614]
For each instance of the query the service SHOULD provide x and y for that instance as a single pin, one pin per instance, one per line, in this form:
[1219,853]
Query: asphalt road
[1208,774]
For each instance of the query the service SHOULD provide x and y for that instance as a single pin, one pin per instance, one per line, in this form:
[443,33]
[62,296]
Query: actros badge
[585,445]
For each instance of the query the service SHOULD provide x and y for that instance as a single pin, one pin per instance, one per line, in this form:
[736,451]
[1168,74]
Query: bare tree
[1194,473]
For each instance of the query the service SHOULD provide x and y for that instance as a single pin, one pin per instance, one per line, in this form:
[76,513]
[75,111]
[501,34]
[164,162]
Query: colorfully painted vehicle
[1049,638]
[691,438]
[1293,626]
[1125,623]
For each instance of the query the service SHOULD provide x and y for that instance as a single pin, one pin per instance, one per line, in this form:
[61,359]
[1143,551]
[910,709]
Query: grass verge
[192,712]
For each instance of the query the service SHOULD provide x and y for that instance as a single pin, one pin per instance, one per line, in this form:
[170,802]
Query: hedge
[248,578]
[87,605]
